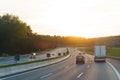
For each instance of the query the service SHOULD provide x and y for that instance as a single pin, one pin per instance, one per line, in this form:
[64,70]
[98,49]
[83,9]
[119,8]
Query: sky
[84,18]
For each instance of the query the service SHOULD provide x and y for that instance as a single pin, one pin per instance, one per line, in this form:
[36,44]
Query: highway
[25,58]
[68,70]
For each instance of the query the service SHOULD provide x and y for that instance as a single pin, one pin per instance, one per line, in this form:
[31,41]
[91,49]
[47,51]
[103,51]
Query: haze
[86,18]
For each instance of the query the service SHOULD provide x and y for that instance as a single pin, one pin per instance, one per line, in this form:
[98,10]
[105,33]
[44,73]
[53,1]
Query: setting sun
[59,39]
[86,18]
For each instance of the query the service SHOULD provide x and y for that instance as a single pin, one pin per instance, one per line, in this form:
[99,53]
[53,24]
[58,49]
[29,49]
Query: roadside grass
[2,57]
[113,52]
[88,50]
[110,51]
[24,63]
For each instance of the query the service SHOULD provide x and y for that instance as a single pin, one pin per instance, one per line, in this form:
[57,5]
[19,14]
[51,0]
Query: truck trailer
[100,53]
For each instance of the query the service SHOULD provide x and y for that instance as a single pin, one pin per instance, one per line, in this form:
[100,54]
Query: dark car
[80,59]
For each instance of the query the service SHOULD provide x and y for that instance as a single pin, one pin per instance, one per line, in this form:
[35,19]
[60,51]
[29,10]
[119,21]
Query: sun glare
[85,18]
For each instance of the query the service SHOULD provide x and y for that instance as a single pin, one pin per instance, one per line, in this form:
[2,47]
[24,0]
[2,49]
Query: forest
[16,37]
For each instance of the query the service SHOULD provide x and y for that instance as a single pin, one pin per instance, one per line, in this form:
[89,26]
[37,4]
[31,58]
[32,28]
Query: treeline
[16,37]
[111,41]
[59,41]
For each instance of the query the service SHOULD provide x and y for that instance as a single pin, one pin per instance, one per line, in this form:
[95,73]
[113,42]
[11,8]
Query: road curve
[68,70]
[25,58]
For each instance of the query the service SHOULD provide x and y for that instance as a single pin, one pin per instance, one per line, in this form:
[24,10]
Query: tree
[12,30]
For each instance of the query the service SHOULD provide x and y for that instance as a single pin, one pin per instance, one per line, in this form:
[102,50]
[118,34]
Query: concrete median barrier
[22,68]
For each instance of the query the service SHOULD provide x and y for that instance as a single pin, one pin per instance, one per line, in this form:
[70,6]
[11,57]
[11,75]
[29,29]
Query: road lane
[100,71]
[116,72]
[40,72]
[115,63]
[25,58]
[68,70]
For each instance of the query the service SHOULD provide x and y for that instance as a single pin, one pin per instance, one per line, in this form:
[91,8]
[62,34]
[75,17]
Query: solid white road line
[46,75]
[79,75]
[117,73]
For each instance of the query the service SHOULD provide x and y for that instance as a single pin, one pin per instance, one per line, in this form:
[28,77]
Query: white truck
[100,53]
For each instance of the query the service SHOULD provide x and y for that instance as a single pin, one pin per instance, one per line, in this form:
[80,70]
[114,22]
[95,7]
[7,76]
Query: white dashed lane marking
[46,75]
[79,75]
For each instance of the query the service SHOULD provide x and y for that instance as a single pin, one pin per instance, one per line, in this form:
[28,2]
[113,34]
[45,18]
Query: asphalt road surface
[25,58]
[68,70]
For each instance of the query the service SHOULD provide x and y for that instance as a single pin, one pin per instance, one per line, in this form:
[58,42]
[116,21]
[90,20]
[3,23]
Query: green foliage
[113,52]
[11,27]
[89,50]
[12,33]
[16,37]
[111,41]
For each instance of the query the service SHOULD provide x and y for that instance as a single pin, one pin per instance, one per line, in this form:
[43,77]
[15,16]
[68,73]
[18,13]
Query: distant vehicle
[80,59]
[100,54]
[59,54]
[53,55]
[48,55]
[32,56]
